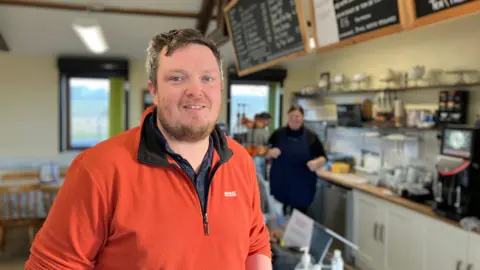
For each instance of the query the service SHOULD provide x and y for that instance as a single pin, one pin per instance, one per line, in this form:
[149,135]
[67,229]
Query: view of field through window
[88,99]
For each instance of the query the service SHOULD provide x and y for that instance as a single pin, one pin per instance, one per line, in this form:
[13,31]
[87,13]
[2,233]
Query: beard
[181,132]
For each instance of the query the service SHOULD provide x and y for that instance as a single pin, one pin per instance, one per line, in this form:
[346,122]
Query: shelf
[390,127]
[407,129]
[373,91]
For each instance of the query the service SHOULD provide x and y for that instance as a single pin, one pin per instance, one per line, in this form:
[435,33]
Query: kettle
[417,72]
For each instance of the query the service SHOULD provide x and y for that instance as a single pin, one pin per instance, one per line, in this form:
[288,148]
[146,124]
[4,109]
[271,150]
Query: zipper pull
[205,223]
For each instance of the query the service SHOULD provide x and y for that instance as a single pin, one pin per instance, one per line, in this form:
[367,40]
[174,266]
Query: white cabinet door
[404,237]
[369,215]
[446,246]
[473,251]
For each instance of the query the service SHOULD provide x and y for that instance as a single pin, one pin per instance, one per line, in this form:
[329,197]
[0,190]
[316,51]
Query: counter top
[383,193]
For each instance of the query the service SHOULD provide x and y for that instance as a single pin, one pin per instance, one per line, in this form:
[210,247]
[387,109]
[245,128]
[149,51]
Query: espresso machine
[457,187]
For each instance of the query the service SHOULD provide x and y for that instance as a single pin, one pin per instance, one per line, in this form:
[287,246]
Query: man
[267,118]
[173,193]
[258,135]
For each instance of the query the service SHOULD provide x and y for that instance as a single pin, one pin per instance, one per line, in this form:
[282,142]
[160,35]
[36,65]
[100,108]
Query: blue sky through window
[88,111]
[256,96]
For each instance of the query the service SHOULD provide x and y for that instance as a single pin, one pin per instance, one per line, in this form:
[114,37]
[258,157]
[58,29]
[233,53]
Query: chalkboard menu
[427,7]
[338,20]
[264,31]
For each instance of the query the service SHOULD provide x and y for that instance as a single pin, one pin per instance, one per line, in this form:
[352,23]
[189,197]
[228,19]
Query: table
[24,200]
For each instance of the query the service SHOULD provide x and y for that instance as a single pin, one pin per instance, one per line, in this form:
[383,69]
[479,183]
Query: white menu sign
[336,20]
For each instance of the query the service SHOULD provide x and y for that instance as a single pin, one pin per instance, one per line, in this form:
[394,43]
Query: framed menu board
[432,11]
[265,32]
[337,23]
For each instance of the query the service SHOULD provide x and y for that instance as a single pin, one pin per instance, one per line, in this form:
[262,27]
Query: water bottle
[337,261]
[306,262]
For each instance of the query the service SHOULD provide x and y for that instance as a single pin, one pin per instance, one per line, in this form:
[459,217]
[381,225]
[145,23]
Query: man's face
[267,121]
[188,92]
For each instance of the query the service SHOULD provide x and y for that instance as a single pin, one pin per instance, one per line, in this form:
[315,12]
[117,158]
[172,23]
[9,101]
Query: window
[246,100]
[93,104]
[88,111]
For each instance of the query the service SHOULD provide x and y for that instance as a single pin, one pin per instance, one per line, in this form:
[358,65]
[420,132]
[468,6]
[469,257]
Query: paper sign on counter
[299,230]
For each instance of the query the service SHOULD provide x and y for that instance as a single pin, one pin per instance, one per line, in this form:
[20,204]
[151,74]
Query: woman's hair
[296,107]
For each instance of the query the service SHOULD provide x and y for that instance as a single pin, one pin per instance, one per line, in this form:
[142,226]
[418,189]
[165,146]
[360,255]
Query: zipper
[205,224]
[204,211]
[206,228]
[204,214]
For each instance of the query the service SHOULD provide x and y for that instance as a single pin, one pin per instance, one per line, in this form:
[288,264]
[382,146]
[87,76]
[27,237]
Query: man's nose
[194,88]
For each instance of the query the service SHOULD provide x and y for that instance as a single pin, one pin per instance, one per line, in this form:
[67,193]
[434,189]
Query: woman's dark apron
[291,182]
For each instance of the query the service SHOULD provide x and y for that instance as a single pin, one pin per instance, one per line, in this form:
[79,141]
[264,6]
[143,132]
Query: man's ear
[153,91]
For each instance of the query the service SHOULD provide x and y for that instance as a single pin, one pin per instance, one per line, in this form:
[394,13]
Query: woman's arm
[273,151]
[316,163]
[317,150]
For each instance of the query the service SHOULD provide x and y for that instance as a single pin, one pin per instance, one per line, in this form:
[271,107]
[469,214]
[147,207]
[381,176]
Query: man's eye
[175,79]
[208,78]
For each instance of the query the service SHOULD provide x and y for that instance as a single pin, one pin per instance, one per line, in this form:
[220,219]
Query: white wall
[28,106]
[29,84]
[449,45]
[29,124]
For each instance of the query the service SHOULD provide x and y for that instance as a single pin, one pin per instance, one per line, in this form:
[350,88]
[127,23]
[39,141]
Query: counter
[383,193]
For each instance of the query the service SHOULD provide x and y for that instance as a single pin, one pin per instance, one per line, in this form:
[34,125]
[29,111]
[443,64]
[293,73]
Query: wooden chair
[49,193]
[20,175]
[31,174]
[19,207]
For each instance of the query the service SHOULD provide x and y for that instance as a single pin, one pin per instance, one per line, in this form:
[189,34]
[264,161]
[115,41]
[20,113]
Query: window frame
[85,68]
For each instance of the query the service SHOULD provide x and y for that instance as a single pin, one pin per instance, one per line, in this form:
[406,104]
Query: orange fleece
[114,212]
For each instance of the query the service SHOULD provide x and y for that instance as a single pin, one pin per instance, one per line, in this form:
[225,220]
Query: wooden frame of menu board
[405,22]
[303,31]
[448,13]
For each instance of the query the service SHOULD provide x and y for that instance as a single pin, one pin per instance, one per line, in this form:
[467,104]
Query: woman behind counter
[296,153]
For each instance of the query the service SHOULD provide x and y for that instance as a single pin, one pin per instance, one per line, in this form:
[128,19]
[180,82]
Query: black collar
[294,133]
[151,152]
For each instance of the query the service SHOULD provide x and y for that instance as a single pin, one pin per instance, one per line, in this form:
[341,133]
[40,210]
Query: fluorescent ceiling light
[91,35]
[312,43]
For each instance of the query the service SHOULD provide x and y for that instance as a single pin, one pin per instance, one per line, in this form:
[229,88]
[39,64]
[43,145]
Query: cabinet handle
[375,227]
[459,265]
[382,232]
[470,266]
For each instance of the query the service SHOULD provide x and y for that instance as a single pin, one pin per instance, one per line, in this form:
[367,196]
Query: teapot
[359,77]
[388,76]
[417,72]
[338,79]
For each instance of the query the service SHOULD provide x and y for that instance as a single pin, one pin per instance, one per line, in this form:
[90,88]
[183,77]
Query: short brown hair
[265,116]
[296,107]
[174,40]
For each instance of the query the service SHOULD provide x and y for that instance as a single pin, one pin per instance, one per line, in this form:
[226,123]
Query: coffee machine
[457,187]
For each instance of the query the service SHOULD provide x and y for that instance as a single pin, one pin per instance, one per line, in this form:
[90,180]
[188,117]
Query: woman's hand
[274,153]
[316,164]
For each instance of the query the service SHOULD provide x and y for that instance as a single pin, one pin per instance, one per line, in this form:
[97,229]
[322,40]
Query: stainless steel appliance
[349,115]
[320,128]
[333,208]
[457,189]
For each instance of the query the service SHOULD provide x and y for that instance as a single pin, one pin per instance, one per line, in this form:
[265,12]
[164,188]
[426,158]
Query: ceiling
[45,31]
